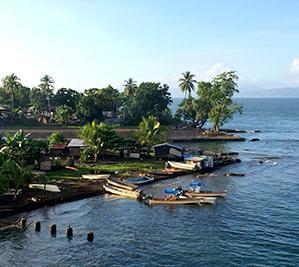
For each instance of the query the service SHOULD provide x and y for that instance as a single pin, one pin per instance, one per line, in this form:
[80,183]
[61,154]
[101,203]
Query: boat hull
[121,184]
[122,192]
[181,201]
[183,166]
[205,194]
[140,181]
[95,176]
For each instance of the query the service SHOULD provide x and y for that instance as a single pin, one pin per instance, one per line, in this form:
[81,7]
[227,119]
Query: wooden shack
[59,150]
[169,151]
[75,146]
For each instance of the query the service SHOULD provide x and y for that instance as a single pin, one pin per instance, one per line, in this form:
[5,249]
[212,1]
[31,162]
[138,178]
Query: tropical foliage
[98,137]
[56,138]
[149,133]
[186,83]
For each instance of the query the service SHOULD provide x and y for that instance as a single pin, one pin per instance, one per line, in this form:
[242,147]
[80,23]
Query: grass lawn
[105,168]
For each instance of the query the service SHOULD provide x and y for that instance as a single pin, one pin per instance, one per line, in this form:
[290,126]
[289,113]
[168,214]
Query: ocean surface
[256,225]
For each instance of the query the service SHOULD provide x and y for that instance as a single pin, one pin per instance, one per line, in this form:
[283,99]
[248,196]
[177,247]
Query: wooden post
[90,236]
[23,222]
[37,226]
[69,232]
[53,229]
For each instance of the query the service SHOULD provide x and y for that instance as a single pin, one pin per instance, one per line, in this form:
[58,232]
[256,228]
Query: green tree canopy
[150,98]
[67,97]
[47,88]
[56,138]
[130,87]
[63,114]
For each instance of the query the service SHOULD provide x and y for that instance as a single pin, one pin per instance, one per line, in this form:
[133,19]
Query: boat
[195,191]
[122,192]
[141,180]
[183,165]
[180,201]
[95,176]
[47,187]
[121,184]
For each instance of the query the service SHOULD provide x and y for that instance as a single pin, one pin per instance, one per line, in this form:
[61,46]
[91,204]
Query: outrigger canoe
[122,192]
[180,201]
[95,176]
[121,184]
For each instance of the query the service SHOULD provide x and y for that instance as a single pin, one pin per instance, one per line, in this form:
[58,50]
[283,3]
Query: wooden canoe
[95,176]
[181,201]
[122,192]
[139,180]
[49,187]
[183,166]
[121,184]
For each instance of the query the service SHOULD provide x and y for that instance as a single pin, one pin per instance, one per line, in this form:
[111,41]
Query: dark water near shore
[256,225]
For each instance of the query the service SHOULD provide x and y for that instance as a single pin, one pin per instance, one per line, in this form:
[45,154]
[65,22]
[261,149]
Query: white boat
[190,193]
[95,176]
[122,192]
[191,166]
[139,180]
[121,184]
[48,187]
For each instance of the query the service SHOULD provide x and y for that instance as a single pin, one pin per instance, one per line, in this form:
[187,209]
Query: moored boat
[180,201]
[95,176]
[47,187]
[141,180]
[183,165]
[195,191]
[122,192]
[121,184]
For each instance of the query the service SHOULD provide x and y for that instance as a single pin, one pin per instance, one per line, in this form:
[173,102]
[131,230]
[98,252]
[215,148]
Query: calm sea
[256,225]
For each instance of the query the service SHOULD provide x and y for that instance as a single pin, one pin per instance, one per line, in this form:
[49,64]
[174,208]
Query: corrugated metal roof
[76,142]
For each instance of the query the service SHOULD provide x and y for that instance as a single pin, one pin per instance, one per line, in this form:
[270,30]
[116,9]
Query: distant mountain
[260,92]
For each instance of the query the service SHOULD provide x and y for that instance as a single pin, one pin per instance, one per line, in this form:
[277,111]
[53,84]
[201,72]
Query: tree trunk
[49,109]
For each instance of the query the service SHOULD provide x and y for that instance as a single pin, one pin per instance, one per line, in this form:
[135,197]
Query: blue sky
[84,44]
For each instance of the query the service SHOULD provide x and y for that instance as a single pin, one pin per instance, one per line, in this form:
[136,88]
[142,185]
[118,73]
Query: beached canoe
[122,192]
[49,187]
[121,184]
[183,166]
[180,201]
[95,176]
[141,180]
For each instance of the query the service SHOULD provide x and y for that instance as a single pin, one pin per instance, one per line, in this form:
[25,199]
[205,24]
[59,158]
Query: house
[75,146]
[58,150]
[169,151]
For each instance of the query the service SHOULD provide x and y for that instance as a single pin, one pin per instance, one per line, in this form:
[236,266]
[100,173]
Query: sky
[86,44]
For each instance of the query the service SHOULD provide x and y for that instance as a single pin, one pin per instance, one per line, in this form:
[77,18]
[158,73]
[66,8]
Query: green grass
[105,168]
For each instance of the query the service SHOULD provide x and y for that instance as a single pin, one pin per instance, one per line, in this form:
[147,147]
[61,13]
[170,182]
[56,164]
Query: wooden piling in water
[53,229]
[37,226]
[69,232]
[90,236]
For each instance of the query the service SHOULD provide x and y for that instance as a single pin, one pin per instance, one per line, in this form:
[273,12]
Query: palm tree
[11,84]
[149,132]
[47,88]
[130,87]
[186,83]
[98,137]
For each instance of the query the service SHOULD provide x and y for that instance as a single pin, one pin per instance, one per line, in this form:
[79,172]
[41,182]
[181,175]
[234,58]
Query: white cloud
[294,66]
[215,70]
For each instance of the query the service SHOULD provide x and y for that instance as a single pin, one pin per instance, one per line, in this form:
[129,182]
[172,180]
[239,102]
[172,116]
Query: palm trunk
[49,109]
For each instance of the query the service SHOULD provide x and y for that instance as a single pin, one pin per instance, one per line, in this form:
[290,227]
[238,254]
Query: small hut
[59,150]
[169,151]
[75,146]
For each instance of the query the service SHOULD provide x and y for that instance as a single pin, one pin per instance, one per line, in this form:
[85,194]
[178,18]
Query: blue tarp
[170,191]
[196,184]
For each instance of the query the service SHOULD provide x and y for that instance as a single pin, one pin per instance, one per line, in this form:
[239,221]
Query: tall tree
[150,98]
[186,83]
[67,97]
[47,88]
[63,114]
[223,87]
[130,87]
[11,83]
